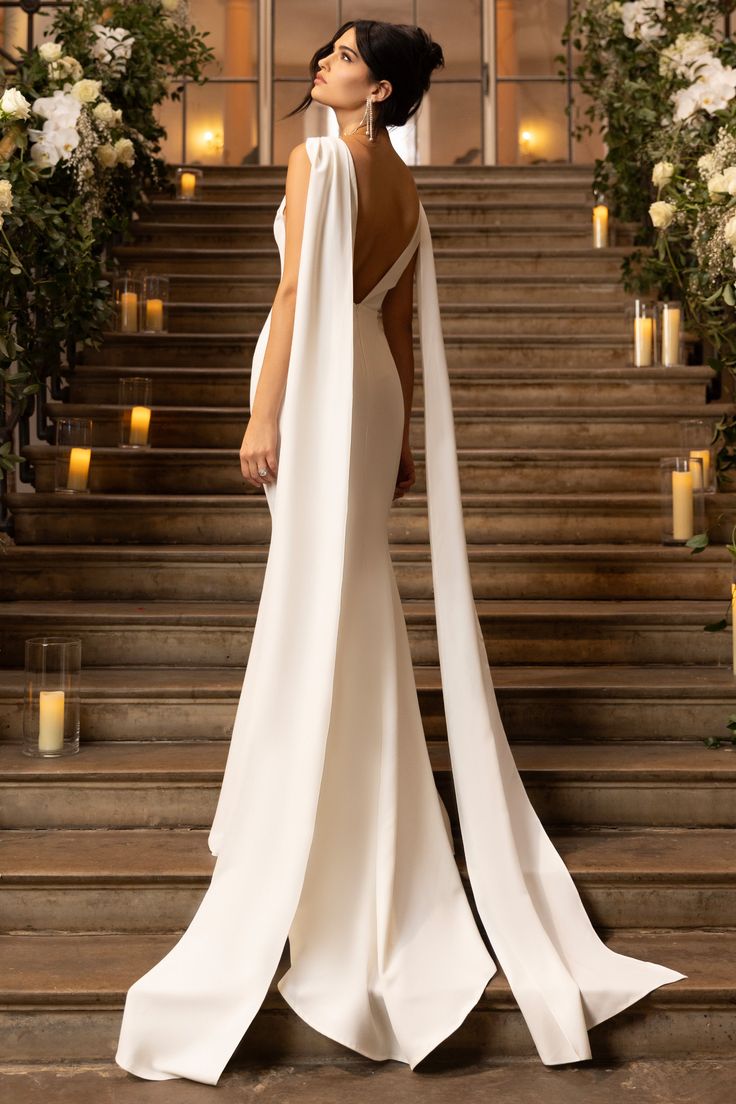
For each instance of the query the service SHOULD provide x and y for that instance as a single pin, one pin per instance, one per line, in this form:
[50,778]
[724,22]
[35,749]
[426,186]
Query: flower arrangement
[662,81]
[79,145]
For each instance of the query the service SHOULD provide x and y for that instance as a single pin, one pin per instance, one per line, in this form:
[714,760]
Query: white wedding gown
[329,828]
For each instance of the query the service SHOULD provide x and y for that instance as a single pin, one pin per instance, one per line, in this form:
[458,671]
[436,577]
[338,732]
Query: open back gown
[329,828]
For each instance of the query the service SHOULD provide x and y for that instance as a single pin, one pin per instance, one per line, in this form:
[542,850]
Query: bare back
[388,209]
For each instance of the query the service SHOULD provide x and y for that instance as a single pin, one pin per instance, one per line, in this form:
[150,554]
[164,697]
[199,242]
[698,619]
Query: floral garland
[79,146]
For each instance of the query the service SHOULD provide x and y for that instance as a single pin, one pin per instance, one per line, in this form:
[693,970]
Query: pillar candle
[188,184]
[682,505]
[670,335]
[50,720]
[78,469]
[704,455]
[129,311]
[643,331]
[154,314]
[140,417]
[600,226]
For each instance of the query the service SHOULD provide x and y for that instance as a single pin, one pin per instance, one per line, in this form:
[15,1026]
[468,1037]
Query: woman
[329,829]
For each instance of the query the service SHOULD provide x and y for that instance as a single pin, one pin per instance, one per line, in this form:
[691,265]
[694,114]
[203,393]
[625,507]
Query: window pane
[530,122]
[449,124]
[299,28]
[528,36]
[169,115]
[233,35]
[457,29]
[222,124]
[590,146]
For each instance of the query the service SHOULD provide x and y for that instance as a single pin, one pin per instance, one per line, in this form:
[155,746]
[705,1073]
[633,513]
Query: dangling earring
[369,113]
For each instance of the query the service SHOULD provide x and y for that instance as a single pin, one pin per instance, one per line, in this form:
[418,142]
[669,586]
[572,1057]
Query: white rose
[661,214]
[717,186]
[729,231]
[662,173]
[15,104]
[6,195]
[50,51]
[124,151]
[86,91]
[106,156]
[169,5]
[106,114]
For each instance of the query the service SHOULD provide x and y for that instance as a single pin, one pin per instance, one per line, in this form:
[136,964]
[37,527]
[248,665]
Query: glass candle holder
[642,324]
[669,320]
[683,508]
[155,305]
[189,184]
[600,222]
[696,440]
[73,455]
[134,396]
[127,302]
[51,696]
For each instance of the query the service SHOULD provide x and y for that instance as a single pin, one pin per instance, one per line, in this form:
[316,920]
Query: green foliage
[53,297]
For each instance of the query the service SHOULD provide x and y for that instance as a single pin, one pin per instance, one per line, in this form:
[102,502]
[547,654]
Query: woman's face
[347,79]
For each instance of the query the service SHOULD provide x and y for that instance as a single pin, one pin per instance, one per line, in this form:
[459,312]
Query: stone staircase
[606,680]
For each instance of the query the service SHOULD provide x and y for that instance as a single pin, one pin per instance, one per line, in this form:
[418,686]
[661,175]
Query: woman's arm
[259,445]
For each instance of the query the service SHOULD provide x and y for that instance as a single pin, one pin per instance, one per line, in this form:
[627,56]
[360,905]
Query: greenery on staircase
[79,146]
[662,82]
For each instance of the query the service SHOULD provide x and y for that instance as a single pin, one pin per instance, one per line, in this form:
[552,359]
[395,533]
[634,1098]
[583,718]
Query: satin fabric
[329,829]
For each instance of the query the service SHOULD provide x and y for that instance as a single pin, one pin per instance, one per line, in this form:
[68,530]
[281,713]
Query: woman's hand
[259,450]
[406,474]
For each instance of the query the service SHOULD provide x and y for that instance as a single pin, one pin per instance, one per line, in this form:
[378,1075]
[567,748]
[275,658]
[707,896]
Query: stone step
[457,318]
[479,1070]
[231,572]
[455,235]
[152,880]
[440,213]
[52,983]
[544,427]
[463,352]
[182,471]
[575,704]
[471,261]
[514,189]
[494,385]
[174,785]
[50,518]
[543,632]
[230,288]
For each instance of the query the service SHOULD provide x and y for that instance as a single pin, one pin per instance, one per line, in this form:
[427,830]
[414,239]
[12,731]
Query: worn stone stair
[606,681]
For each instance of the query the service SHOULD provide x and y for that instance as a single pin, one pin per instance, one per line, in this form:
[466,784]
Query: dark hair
[397,52]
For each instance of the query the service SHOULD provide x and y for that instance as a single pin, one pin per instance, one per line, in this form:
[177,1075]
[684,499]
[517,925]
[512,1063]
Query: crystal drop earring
[369,113]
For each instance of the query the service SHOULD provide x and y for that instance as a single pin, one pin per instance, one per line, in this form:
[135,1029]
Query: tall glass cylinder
[642,324]
[134,396]
[73,455]
[696,440]
[128,292]
[683,508]
[600,222]
[669,321]
[189,184]
[155,305]
[51,696]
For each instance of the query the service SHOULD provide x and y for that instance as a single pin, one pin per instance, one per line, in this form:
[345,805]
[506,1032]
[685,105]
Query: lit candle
[643,331]
[188,184]
[78,469]
[140,418]
[154,314]
[600,226]
[50,720]
[704,455]
[682,505]
[670,335]
[129,311]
